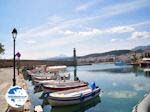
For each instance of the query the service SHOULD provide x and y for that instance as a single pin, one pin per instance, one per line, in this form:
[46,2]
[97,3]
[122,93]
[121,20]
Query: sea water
[123,87]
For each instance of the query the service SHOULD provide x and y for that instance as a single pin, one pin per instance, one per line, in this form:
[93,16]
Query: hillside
[106,56]
[113,53]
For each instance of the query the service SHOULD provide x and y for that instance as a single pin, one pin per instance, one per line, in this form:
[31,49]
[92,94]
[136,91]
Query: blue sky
[48,28]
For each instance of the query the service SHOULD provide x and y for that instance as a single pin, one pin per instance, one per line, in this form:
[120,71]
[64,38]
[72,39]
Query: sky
[49,28]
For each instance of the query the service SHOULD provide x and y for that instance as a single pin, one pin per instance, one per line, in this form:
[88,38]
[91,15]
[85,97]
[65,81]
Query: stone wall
[9,63]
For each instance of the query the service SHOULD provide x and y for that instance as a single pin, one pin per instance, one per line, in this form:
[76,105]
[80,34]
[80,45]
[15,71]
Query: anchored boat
[73,96]
[63,85]
[78,107]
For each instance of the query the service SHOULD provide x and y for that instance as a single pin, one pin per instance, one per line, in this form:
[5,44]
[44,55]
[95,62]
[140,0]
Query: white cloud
[140,24]
[117,9]
[59,35]
[62,31]
[31,41]
[86,5]
[55,19]
[113,40]
[120,29]
[112,10]
[95,31]
[140,35]
[68,32]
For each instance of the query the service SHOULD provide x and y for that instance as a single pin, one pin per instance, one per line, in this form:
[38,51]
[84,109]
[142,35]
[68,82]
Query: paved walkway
[144,105]
[6,75]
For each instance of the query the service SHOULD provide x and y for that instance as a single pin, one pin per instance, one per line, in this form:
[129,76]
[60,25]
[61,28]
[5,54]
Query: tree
[1,49]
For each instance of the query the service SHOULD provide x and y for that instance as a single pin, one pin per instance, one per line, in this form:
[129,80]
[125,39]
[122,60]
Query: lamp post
[14,35]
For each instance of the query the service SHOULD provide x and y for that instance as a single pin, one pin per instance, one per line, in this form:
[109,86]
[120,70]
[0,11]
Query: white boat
[73,96]
[77,108]
[45,77]
[42,82]
[56,68]
[61,85]
[50,73]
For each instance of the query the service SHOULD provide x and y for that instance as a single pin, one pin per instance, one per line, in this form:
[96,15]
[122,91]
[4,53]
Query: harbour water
[123,86]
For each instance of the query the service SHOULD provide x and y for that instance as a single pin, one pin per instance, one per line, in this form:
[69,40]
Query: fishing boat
[56,68]
[44,77]
[63,85]
[77,108]
[73,96]
[50,81]
[38,80]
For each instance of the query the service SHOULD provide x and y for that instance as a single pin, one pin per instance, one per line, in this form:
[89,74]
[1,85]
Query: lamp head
[14,33]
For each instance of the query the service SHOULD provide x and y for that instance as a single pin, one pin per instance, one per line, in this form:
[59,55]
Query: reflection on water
[79,107]
[123,87]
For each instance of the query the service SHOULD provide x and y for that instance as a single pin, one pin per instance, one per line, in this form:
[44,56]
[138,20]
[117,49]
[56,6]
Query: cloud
[31,42]
[86,5]
[119,8]
[68,32]
[62,35]
[95,31]
[140,24]
[55,19]
[140,35]
[122,8]
[120,29]
[122,94]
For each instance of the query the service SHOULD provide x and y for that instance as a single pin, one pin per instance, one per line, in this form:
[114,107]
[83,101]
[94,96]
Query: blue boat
[120,63]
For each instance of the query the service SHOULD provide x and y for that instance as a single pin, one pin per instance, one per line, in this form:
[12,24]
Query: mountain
[141,48]
[113,53]
[105,55]
[60,57]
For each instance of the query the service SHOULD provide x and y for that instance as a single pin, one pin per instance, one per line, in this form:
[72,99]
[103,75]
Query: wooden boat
[56,68]
[37,80]
[73,96]
[44,77]
[63,85]
[50,81]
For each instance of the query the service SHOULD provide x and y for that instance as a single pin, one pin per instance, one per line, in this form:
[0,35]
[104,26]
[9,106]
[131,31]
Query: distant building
[146,59]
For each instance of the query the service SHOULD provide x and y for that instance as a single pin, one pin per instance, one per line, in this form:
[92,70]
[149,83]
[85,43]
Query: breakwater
[9,63]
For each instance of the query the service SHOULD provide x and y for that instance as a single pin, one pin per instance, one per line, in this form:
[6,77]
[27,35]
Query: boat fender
[81,97]
[93,86]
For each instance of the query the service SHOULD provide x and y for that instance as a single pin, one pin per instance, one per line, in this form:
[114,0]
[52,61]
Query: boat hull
[73,100]
[58,88]
[61,89]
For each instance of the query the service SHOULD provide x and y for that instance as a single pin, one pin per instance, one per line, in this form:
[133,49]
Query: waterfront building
[146,59]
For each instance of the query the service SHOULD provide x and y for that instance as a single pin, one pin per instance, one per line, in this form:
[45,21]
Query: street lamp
[14,35]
